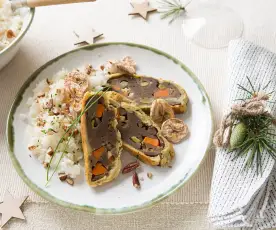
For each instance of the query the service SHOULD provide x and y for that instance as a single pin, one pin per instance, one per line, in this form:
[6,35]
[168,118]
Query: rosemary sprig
[171,8]
[88,105]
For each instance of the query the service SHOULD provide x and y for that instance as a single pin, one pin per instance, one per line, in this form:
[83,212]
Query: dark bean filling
[101,134]
[143,89]
[134,131]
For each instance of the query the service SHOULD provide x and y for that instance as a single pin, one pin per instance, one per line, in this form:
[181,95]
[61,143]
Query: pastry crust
[116,164]
[182,100]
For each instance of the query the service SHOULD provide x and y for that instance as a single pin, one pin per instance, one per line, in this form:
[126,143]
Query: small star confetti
[141,9]
[10,207]
[87,38]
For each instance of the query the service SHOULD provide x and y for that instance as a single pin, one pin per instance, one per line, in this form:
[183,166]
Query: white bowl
[7,54]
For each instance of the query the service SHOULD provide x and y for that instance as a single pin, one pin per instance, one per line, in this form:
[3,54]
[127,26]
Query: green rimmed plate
[119,196]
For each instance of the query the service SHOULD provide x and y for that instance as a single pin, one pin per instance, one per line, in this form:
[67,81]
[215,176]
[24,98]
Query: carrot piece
[100,110]
[99,169]
[98,152]
[162,93]
[151,141]
[116,87]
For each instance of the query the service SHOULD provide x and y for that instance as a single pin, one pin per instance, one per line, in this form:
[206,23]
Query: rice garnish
[54,106]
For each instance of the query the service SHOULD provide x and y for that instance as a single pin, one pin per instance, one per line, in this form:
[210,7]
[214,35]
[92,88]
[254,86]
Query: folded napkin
[241,198]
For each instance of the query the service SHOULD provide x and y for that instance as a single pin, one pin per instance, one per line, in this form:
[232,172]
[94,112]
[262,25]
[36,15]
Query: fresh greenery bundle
[248,130]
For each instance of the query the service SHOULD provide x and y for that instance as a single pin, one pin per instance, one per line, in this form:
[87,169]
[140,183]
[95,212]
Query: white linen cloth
[241,198]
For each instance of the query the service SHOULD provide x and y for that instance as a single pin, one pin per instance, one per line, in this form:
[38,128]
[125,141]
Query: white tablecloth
[51,34]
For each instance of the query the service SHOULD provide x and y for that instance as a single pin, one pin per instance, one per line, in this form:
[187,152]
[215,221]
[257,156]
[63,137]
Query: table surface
[51,34]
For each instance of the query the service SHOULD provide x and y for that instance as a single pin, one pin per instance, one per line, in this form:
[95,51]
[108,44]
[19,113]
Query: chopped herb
[50,129]
[43,131]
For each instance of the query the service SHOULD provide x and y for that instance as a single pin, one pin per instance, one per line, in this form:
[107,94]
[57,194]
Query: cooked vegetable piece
[122,118]
[144,83]
[135,139]
[93,123]
[162,93]
[151,141]
[100,110]
[99,169]
[123,84]
[145,100]
[98,152]
[116,88]
[161,86]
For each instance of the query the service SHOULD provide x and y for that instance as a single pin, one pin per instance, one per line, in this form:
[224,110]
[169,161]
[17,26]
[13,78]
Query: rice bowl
[19,22]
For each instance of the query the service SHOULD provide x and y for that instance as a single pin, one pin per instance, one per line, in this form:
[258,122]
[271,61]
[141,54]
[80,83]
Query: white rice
[10,23]
[41,138]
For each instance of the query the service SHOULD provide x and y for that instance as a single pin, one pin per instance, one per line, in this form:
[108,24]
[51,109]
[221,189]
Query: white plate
[118,196]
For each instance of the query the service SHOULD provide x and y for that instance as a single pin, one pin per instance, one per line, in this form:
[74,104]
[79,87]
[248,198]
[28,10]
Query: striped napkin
[241,198]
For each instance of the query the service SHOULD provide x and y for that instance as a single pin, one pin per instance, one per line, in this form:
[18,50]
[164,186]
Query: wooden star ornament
[88,37]
[141,9]
[10,207]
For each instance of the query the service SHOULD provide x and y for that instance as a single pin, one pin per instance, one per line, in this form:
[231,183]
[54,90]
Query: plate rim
[51,198]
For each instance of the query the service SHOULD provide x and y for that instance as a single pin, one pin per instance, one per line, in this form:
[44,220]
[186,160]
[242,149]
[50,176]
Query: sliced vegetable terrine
[140,135]
[144,90]
[101,140]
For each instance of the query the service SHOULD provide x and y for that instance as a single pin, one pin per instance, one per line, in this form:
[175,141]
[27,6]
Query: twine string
[252,107]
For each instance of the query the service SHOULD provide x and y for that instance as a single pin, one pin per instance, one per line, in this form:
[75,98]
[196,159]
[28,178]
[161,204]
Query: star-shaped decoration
[88,37]
[141,9]
[10,207]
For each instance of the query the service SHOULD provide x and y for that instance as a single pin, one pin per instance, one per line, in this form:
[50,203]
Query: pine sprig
[260,132]
[259,138]
[171,8]
[88,105]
